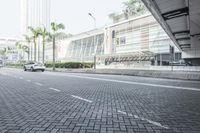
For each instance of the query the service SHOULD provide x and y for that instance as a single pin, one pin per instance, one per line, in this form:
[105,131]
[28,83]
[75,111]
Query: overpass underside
[181,20]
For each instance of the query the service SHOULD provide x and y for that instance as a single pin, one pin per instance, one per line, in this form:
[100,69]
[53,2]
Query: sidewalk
[184,75]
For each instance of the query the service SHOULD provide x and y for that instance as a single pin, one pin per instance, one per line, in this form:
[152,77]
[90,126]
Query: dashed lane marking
[144,119]
[152,122]
[55,89]
[38,84]
[80,98]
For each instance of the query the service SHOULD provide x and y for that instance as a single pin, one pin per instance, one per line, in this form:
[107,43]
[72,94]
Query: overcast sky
[72,13]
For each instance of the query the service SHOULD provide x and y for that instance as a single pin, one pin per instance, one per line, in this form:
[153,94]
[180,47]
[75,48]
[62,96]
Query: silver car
[34,66]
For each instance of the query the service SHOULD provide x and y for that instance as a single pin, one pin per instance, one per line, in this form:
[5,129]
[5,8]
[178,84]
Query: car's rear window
[39,63]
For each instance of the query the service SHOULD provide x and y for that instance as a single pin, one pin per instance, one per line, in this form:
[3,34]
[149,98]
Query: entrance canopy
[180,19]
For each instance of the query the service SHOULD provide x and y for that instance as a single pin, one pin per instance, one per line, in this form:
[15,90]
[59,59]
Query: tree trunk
[28,56]
[39,50]
[34,50]
[29,51]
[23,55]
[54,53]
[43,56]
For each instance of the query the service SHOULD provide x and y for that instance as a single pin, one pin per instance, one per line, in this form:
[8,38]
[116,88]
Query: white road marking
[21,77]
[130,114]
[82,98]
[28,80]
[152,122]
[55,89]
[122,112]
[137,83]
[144,119]
[38,84]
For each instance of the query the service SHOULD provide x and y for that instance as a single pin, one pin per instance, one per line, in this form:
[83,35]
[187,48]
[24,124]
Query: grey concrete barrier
[185,75]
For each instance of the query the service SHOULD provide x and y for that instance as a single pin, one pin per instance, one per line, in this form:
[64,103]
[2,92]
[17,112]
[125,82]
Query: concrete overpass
[181,20]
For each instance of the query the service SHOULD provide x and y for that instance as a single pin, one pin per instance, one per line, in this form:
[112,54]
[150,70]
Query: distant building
[9,45]
[138,40]
[35,13]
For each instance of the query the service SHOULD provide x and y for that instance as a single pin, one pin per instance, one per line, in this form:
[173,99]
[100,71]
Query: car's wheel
[24,68]
[32,69]
[42,70]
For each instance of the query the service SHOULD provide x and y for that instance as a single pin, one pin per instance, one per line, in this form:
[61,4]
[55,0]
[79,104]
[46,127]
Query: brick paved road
[49,102]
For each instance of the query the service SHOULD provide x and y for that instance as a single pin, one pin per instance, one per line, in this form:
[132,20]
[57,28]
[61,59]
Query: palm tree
[29,39]
[134,7]
[23,49]
[43,32]
[26,49]
[55,28]
[20,48]
[35,32]
[3,52]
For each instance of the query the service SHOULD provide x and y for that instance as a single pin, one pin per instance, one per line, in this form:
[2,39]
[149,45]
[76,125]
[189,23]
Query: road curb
[143,73]
[182,75]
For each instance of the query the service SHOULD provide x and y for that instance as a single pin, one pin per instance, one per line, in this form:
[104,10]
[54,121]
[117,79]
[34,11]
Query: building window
[122,40]
[113,34]
[117,41]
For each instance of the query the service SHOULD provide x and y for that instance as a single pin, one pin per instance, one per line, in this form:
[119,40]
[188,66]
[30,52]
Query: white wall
[194,52]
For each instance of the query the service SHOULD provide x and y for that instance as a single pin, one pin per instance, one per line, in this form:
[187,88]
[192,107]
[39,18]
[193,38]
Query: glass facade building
[138,39]
[84,49]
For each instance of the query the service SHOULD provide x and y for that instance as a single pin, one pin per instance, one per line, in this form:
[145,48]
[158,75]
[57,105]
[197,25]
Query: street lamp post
[94,61]
[90,14]
[94,39]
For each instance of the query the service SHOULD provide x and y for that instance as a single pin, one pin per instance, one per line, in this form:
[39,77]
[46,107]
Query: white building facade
[138,40]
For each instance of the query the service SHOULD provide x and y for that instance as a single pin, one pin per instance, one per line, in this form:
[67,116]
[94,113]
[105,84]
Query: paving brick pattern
[28,108]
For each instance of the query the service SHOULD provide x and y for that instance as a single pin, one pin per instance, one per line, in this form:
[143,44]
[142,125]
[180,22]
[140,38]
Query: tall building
[35,13]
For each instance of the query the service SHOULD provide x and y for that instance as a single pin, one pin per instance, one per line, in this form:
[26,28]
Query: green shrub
[14,64]
[69,65]
[58,64]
